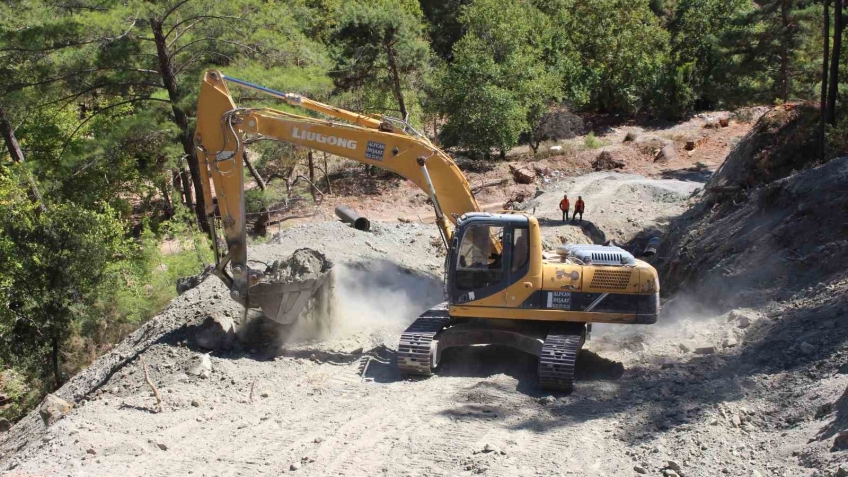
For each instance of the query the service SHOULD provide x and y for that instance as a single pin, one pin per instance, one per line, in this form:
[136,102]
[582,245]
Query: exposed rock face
[53,408]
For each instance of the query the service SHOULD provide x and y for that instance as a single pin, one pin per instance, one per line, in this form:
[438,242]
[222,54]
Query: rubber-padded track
[559,356]
[415,348]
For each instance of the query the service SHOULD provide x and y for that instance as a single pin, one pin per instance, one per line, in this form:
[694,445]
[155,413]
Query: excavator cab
[488,253]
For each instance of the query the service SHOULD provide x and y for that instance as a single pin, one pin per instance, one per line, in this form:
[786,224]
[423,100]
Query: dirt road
[683,397]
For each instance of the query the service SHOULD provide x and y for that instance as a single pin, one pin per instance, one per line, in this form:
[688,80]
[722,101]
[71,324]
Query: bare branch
[152,386]
[70,98]
[201,17]
[199,40]
[20,86]
[198,56]
[100,111]
[173,9]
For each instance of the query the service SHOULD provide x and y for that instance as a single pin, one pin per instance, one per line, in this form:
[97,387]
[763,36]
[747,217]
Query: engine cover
[597,254]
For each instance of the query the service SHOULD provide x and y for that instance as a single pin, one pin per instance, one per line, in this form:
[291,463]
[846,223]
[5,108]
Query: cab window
[479,264]
[520,249]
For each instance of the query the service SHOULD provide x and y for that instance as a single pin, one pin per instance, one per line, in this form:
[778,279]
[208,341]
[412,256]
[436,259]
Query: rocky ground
[709,390]
[389,200]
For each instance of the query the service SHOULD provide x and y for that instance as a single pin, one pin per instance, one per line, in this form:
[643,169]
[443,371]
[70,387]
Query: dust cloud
[363,295]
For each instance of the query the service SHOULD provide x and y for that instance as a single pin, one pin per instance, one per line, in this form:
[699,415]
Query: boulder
[216,332]
[743,318]
[724,122]
[522,175]
[807,348]
[841,441]
[605,162]
[667,153]
[202,366]
[53,408]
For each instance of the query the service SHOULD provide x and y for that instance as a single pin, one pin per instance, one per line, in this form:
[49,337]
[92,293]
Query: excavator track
[559,356]
[415,351]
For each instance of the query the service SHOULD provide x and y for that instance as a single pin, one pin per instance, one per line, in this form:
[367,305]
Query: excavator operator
[476,252]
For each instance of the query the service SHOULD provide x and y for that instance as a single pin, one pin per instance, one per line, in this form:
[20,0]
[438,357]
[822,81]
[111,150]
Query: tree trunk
[823,108]
[57,376]
[9,137]
[176,180]
[186,187]
[166,197]
[169,80]
[396,82]
[311,164]
[327,176]
[253,171]
[17,155]
[833,88]
[784,51]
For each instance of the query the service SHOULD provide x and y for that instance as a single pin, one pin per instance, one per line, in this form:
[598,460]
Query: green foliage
[380,46]
[256,199]
[693,75]
[591,142]
[498,83]
[23,394]
[837,138]
[58,257]
[444,24]
[765,52]
[613,54]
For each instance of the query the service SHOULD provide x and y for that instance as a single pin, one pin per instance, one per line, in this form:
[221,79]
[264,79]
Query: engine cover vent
[597,254]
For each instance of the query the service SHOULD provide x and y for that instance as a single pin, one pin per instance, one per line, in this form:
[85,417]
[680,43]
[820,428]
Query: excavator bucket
[285,302]
[293,288]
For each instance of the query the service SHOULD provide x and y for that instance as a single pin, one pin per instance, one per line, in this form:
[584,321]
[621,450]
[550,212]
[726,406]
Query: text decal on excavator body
[322,139]
[375,150]
[559,300]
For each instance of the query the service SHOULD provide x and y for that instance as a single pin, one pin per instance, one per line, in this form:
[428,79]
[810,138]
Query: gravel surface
[701,393]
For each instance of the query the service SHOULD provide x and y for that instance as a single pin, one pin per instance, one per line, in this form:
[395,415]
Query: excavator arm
[222,127]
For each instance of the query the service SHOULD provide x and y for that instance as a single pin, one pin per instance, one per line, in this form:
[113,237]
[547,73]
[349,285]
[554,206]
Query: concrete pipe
[351,216]
[651,248]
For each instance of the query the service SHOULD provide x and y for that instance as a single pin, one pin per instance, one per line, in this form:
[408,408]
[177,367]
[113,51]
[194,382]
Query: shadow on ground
[691,174]
[484,362]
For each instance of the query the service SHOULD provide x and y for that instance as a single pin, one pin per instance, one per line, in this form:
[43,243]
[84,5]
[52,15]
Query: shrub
[591,142]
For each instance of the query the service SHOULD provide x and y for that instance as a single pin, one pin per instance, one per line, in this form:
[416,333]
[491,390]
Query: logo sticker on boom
[323,139]
[375,151]
[559,300]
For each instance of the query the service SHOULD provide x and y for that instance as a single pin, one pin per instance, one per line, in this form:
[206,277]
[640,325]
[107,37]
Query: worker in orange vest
[564,205]
[579,206]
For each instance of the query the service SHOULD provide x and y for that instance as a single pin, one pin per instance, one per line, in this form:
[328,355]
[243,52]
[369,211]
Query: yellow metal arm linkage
[221,131]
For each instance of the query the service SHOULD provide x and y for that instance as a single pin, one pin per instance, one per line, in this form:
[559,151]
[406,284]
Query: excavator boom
[220,137]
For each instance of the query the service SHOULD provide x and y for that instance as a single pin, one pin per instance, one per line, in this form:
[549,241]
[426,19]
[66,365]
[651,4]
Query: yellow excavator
[501,287]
